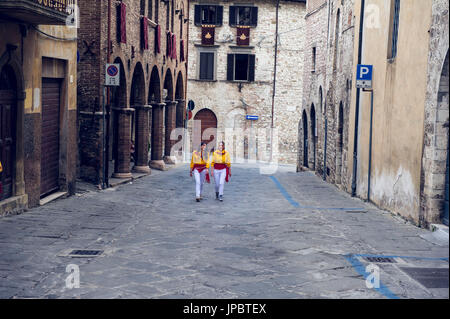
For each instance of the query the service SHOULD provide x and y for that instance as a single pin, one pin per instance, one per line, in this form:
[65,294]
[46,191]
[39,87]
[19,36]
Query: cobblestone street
[287,235]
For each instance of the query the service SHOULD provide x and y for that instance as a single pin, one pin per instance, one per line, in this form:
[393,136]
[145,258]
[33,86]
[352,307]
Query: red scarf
[222,166]
[200,168]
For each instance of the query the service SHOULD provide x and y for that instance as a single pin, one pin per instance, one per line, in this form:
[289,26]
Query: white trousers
[199,181]
[219,178]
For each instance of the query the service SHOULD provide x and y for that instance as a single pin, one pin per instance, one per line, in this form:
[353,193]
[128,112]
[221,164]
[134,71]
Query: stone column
[142,135]
[157,136]
[122,162]
[170,125]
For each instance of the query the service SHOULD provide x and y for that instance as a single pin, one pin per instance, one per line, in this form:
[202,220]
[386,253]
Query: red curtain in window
[123,22]
[158,39]
[208,33]
[182,50]
[243,35]
[144,35]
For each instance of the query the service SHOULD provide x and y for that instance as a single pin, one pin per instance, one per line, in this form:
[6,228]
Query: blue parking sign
[364,76]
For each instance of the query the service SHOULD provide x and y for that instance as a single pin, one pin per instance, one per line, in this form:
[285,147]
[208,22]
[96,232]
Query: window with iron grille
[394,27]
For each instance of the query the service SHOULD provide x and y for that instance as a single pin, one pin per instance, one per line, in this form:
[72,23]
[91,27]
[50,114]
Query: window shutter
[211,66]
[219,15]
[251,68]
[230,67]
[198,12]
[254,16]
[232,15]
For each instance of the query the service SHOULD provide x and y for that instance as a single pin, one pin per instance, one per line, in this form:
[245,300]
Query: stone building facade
[407,44]
[237,74]
[323,129]
[148,39]
[38,76]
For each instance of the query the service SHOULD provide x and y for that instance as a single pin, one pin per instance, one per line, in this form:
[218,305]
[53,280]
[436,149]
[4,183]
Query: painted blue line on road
[289,198]
[284,192]
[359,267]
[411,257]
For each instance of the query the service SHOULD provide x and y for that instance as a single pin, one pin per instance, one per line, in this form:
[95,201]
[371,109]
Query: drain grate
[85,253]
[429,277]
[385,260]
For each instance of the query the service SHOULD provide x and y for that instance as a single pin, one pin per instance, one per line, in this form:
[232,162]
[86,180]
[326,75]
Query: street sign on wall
[364,76]
[252,117]
[112,75]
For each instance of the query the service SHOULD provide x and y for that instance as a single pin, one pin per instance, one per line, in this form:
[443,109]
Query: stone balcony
[51,12]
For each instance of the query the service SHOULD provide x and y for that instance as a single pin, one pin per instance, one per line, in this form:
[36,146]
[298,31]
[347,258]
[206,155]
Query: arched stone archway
[435,169]
[140,122]
[305,139]
[157,120]
[169,119]
[121,127]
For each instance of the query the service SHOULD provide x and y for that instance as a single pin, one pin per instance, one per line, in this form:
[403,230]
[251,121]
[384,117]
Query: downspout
[108,105]
[358,93]
[274,80]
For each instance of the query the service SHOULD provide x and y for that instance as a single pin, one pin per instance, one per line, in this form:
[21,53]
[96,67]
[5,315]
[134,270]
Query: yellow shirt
[197,159]
[1,168]
[221,158]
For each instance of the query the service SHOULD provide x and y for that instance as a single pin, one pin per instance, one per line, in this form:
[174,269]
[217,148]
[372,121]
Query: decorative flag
[174,46]
[243,35]
[123,22]
[144,35]
[158,39]
[208,33]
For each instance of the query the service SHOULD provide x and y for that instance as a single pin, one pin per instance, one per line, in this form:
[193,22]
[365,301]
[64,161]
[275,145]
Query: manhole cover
[380,260]
[85,253]
[429,277]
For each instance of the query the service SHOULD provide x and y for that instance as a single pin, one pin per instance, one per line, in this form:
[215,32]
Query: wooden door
[51,99]
[208,122]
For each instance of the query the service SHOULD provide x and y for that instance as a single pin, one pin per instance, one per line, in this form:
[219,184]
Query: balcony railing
[37,11]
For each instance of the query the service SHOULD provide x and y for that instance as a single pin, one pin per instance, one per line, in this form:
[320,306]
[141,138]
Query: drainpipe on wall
[108,107]
[358,93]
[274,79]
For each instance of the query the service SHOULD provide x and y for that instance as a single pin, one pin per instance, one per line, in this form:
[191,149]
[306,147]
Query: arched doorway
[179,96]
[8,117]
[208,128]
[154,99]
[139,123]
[180,109]
[313,134]
[305,139]
[169,116]
[119,101]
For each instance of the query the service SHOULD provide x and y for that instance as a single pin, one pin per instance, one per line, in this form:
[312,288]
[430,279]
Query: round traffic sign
[190,115]
[191,105]
[112,70]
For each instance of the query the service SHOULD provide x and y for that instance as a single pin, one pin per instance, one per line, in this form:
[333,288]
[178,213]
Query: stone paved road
[289,235]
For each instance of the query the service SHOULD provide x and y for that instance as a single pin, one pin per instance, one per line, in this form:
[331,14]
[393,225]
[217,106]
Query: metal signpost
[364,79]
[112,79]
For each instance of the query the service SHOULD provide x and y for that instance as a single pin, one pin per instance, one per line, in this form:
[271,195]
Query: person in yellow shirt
[200,167]
[220,169]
